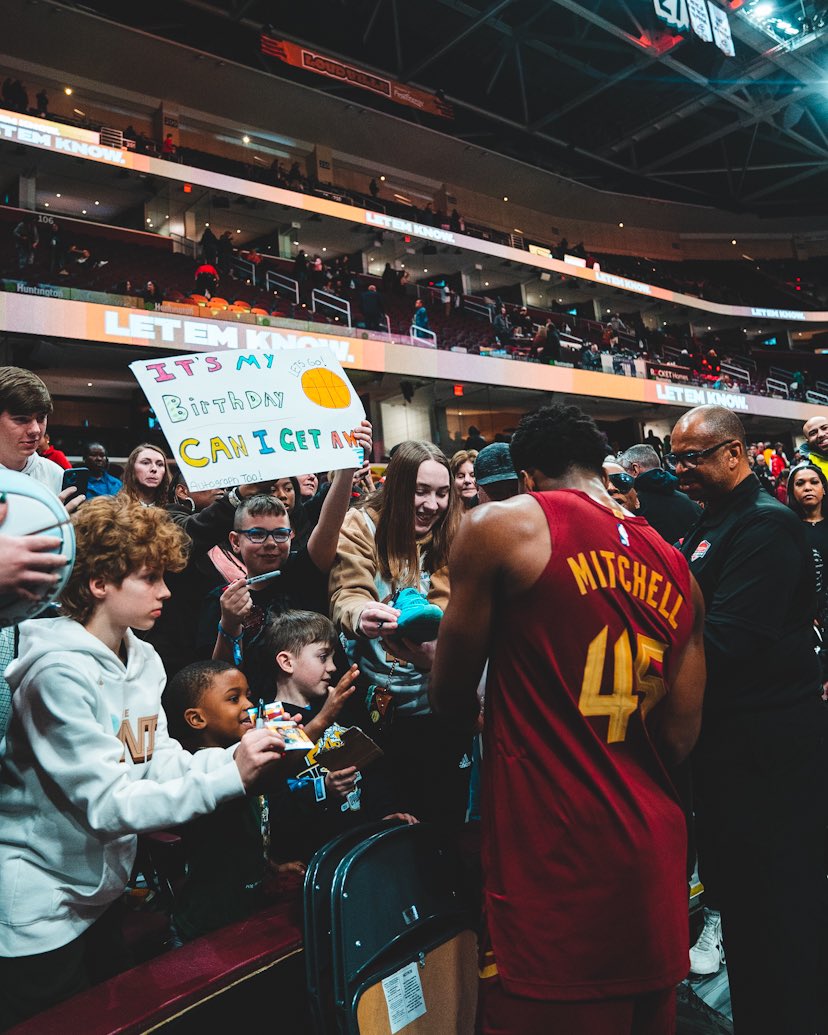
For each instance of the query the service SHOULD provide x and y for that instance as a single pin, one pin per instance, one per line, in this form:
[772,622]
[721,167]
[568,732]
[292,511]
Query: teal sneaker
[419,621]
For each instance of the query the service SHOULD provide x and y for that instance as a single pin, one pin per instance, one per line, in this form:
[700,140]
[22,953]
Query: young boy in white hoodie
[89,763]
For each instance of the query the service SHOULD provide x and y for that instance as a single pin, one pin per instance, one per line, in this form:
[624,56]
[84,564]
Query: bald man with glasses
[759,768]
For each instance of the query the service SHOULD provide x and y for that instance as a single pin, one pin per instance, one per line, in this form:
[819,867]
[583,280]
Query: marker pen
[263,578]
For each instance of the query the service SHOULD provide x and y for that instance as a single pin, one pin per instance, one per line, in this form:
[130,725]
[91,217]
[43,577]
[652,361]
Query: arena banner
[232,418]
[60,138]
[323,64]
[171,333]
[669,372]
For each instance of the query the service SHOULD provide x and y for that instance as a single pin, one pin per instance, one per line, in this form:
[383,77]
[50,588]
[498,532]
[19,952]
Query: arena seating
[251,969]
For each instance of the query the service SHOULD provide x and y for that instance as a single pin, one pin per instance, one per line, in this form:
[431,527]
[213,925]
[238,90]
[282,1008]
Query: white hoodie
[88,765]
[43,470]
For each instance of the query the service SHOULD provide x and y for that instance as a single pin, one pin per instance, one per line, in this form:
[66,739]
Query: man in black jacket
[760,776]
[373,310]
[671,513]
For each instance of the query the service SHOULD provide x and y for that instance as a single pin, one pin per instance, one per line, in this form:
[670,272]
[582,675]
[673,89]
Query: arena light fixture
[68,91]
[246,139]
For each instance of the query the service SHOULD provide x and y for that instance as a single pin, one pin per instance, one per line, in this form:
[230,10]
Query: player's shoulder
[516,516]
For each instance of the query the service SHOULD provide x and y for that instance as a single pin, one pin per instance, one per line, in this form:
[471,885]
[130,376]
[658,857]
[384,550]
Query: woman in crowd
[808,499]
[462,471]
[391,564]
[288,492]
[308,486]
[146,476]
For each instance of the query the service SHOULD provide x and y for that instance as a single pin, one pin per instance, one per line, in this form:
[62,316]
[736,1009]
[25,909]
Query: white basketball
[34,509]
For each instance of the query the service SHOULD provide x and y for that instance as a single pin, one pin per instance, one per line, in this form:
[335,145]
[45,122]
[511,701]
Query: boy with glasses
[234,616]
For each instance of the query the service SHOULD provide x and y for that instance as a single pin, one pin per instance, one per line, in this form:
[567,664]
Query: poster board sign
[233,417]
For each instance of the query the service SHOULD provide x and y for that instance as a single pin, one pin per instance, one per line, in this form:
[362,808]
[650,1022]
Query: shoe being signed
[419,621]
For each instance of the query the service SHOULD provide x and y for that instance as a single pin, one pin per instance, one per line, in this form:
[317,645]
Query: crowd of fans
[226,276]
[740,285]
[146,701]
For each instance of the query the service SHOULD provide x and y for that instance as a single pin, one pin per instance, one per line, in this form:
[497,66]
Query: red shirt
[584,841]
[57,457]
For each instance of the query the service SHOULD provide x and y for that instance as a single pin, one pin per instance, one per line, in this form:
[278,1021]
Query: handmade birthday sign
[233,417]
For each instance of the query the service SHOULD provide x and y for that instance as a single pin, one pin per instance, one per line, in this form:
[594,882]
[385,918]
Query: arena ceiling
[598,90]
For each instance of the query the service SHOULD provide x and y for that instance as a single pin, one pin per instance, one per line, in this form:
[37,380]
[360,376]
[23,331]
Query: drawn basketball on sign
[326,389]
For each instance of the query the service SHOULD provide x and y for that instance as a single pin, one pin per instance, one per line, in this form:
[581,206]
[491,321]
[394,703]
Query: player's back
[584,841]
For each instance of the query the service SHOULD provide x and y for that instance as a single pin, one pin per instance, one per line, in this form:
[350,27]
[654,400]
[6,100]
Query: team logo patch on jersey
[700,550]
[623,536]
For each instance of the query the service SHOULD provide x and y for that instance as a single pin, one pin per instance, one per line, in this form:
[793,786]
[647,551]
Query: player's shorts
[499,1013]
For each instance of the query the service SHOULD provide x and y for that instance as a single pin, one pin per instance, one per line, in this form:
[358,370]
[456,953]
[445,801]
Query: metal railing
[781,374]
[185,246]
[817,397]
[246,268]
[478,308]
[773,384]
[422,336]
[736,372]
[280,283]
[324,299]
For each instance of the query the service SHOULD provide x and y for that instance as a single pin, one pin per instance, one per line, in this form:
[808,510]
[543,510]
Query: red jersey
[584,841]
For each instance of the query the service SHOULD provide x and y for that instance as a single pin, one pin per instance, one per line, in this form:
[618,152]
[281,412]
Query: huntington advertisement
[233,418]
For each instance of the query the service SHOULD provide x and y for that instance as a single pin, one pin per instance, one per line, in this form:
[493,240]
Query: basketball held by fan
[34,511]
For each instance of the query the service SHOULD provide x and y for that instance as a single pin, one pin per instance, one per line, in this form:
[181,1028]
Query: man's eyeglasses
[693,457]
[257,536]
[622,482]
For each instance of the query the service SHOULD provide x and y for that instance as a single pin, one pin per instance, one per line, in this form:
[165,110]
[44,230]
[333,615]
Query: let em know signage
[232,418]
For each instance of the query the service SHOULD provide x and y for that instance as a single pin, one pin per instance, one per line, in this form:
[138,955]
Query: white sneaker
[707,955]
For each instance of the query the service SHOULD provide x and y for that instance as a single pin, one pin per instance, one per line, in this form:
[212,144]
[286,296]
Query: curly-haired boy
[89,763]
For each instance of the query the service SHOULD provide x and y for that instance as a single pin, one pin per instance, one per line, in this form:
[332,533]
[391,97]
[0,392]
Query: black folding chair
[403,928]
[319,879]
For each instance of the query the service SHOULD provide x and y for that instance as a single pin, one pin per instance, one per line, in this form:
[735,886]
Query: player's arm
[678,717]
[463,641]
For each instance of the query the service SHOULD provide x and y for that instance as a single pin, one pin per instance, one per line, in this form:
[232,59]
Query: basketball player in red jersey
[592,625]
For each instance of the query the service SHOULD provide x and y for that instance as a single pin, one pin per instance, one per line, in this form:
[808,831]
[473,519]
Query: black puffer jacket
[671,513]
